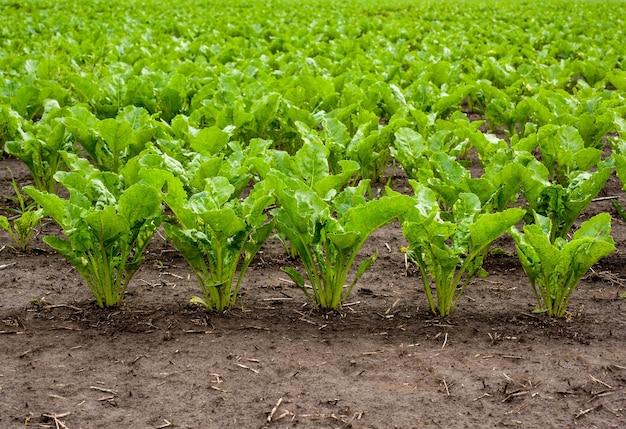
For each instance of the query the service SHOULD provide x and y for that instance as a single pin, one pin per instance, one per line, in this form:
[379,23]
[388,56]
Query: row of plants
[263,66]
[225,200]
[349,133]
[227,124]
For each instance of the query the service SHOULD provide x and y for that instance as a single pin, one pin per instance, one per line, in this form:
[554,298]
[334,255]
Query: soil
[383,361]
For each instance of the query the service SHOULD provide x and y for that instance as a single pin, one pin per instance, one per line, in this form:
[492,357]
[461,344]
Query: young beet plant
[555,268]
[449,247]
[558,189]
[39,145]
[216,232]
[568,178]
[107,224]
[23,227]
[326,222]
[327,235]
[110,143]
[26,220]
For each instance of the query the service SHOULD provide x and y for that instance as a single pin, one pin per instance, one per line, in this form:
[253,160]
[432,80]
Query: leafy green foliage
[216,232]
[25,222]
[9,125]
[568,178]
[110,142]
[555,268]
[39,145]
[531,97]
[449,247]
[107,224]
[326,222]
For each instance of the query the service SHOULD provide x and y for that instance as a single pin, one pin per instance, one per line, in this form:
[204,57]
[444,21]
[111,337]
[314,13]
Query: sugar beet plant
[110,142]
[217,232]
[449,246]
[25,220]
[38,146]
[554,268]
[107,223]
[325,221]
[567,179]
[558,188]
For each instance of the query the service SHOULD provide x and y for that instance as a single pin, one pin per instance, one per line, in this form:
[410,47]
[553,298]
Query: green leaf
[367,218]
[201,301]
[85,86]
[351,196]
[52,204]
[187,248]
[409,149]
[449,169]
[219,190]
[258,238]
[547,253]
[210,141]
[171,191]
[118,134]
[138,203]
[363,267]
[4,224]
[225,222]
[466,208]
[299,206]
[598,226]
[297,278]
[66,249]
[578,256]
[490,226]
[107,224]
[312,161]
[328,187]
[425,203]
[444,258]
[346,240]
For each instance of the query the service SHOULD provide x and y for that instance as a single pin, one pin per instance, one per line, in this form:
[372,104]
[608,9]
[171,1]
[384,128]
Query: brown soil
[382,362]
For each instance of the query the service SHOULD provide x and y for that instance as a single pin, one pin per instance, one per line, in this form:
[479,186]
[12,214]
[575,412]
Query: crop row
[229,127]
[222,205]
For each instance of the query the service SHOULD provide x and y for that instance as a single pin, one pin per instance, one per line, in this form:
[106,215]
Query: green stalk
[537,297]
[326,282]
[345,276]
[311,265]
[307,261]
[460,293]
[92,277]
[107,286]
[203,278]
[220,276]
[545,294]
[464,269]
[425,279]
[569,289]
[444,294]
[244,268]
[123,278]
[337,285]
[54,167]
[215,270]
[96,272]
[325,265]
[339,280]
[346,270]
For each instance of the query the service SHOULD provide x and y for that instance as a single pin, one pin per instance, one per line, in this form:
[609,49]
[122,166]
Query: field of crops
[312,214]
